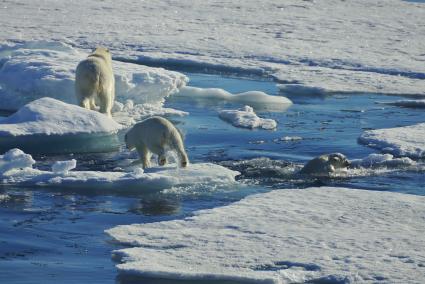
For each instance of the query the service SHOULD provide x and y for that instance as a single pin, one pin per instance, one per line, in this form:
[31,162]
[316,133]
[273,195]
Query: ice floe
[407,103]
[31,70]
[256,99]
[285,236]
[382,160]
[400,141]
[357,49]
[48,125]
[16,168]
[247,118]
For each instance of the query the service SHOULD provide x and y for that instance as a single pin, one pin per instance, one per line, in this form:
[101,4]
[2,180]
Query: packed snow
[48,116]
[400,141]
[247,118]
[335,45]
[16,168]
[256,99]
[31,70]
[334,234]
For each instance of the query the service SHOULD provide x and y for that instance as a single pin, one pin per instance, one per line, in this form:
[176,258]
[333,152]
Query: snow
[31,70]
[335,234]
[362,47]
[16,169]
[48,116]
[256,99]
[247,118]
[400,141]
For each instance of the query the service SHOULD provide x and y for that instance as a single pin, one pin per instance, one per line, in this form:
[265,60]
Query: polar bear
[325,164]
[94,80]
[156,135]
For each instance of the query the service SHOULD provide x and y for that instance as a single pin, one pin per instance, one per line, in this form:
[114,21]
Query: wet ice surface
[59,233]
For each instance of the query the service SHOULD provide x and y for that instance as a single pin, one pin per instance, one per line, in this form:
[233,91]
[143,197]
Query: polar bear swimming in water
[94,80]
[156,135]
[325,164]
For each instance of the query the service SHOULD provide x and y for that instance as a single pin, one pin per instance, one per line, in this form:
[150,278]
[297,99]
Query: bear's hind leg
[105,103]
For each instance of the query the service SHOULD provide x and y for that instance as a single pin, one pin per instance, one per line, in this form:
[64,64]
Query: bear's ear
[107,50]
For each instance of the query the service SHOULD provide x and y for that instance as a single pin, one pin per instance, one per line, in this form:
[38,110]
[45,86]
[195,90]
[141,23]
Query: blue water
[55,236]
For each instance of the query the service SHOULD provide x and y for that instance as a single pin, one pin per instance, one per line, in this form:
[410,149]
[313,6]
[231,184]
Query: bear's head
[338,160]
[102,52]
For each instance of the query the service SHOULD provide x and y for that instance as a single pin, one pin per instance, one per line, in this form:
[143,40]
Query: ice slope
[48,116]
[350,46]
[322,235]
[246,118]
[16,168]
[30,70]
[400,141]
[47,125]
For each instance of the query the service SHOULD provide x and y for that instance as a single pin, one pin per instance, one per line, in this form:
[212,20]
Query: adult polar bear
[156,135]
[94,80]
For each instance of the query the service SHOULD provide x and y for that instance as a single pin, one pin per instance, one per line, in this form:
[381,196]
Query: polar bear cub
[156,135]
[94,80]
[325,164]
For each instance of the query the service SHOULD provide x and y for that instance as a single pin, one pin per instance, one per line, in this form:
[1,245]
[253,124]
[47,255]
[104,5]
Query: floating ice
[256,99]
[16,169]
[31,70]
[407,103]
[382,160]
[285,236]
[63,167]
[15,159]
[49,125]
[400,141]
[247,118]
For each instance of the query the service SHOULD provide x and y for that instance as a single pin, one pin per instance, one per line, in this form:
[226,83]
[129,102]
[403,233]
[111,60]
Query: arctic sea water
[52,236]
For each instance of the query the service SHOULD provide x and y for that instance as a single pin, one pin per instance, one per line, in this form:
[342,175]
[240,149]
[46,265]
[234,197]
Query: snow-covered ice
[16,168]
[47,125]
[400,141]
[48,116]
[256,99]
[247,118]
[334,45]
[286,236]
[31,70]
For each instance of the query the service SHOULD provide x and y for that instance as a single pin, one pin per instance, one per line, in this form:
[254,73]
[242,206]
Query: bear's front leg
[145,155]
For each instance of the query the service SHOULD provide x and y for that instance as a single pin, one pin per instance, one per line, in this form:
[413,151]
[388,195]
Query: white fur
[325,164]
[156,135]
[94,81]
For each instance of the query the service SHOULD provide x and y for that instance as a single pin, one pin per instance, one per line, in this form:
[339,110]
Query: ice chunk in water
[247,118]
[63,167]
[15,159]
